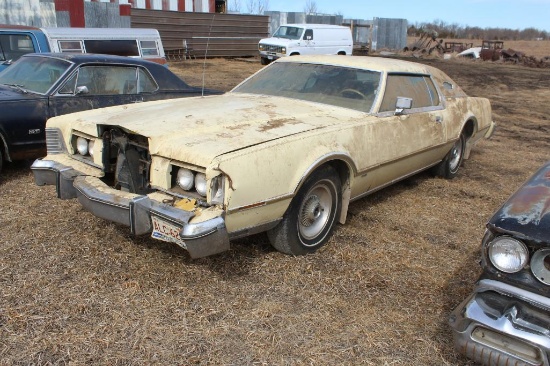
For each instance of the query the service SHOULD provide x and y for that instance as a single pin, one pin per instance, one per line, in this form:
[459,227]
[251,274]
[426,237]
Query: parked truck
[16,41]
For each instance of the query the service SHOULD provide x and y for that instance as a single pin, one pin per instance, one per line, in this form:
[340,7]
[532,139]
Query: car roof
[166,79]
[381,64]
[79,58]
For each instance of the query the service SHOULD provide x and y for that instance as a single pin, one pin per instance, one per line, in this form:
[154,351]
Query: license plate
[166,231]
[269,57]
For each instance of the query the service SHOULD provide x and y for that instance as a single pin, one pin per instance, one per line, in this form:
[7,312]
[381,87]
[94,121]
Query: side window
[146,83]
[308,34]
[119,47]
[149,48]
[101,80]
[419,88]
[70,46]
[13,46]
[69,87]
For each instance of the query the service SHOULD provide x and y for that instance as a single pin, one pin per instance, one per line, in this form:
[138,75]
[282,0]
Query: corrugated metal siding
[389,33]
[210,34]
[27,12]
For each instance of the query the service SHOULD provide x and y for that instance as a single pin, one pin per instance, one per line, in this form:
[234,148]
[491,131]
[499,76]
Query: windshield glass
[36,74]
[288,32]
[339,86]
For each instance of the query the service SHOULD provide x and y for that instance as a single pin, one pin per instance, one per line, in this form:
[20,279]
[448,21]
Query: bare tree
[235,6]
[310,7]
[257,6]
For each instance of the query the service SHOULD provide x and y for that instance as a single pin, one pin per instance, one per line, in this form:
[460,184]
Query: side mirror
[82,90]
[402,104]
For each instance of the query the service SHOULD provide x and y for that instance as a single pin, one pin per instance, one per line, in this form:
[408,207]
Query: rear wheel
[309,221]
[448,168]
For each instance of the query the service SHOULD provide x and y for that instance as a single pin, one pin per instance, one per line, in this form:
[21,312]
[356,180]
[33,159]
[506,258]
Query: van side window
[112,47]
[308,34]
[149,48]
[70,46]
[419,88]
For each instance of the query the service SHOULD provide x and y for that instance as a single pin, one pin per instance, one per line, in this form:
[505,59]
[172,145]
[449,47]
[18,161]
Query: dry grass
[77,290]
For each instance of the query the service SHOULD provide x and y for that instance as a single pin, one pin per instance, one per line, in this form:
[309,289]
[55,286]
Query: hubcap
[456,154]
[315,212]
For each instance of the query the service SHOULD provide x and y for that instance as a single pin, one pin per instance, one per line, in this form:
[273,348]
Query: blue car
[40,86]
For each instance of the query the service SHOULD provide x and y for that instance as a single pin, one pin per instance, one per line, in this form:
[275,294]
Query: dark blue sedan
[40,86]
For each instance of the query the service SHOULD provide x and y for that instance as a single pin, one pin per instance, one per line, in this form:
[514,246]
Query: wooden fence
[210,34]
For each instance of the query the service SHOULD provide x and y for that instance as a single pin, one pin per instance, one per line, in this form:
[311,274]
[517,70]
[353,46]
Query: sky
[512,14]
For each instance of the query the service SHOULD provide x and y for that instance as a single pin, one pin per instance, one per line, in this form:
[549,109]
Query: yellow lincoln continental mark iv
[284,152]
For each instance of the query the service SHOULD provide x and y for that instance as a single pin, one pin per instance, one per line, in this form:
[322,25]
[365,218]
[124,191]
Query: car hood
[8,93]
[196,130]
[526,214]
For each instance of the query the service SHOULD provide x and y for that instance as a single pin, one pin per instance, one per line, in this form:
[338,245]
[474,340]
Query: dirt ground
[75,289]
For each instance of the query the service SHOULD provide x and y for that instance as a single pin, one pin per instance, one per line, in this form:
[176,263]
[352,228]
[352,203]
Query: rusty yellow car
[284,152]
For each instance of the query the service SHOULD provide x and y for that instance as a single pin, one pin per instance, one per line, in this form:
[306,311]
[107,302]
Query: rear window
[13,46]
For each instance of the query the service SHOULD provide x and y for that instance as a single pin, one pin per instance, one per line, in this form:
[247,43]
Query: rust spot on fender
[275,123]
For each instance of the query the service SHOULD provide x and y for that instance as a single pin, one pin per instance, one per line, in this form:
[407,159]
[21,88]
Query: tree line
[454,30]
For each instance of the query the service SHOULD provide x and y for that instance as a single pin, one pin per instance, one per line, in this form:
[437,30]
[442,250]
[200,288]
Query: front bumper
[500,324]
[200,238]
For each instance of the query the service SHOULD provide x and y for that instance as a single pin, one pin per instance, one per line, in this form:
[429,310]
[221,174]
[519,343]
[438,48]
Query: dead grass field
[77,290]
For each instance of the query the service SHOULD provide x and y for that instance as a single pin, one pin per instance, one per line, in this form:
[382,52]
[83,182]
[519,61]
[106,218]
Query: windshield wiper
[19,87]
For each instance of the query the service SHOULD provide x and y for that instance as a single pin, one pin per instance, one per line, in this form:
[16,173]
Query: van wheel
[264,61]
[310,219]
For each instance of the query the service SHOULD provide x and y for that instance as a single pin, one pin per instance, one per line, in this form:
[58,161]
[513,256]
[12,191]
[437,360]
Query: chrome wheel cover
[315,210]
[456,155]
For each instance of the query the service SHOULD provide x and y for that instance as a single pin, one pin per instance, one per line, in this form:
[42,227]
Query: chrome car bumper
[500,324]
[200,239]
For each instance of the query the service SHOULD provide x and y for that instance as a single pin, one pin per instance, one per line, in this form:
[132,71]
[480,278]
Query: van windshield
[289,32]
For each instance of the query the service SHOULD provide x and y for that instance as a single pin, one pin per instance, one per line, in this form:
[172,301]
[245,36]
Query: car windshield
[338,86]
[288,32]
[36,74]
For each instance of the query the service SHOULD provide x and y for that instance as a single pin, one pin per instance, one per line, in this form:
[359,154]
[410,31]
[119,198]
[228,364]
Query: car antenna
[206,52]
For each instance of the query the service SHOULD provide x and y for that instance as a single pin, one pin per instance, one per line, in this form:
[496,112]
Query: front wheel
[448,168]
[309,221]
[264,61]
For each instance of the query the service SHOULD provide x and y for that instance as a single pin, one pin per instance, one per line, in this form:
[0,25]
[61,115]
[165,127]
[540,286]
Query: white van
[306,39]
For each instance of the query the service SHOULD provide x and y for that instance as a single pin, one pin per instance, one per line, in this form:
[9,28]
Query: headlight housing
[261,47]
[507,254]
[83,145]
[195,184]
[283,50]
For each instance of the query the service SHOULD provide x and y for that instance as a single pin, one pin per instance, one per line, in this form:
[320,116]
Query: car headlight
[82,146]
[185,179]
[283,50]
[91,148]
[200,184]
[508,254]
[261,47]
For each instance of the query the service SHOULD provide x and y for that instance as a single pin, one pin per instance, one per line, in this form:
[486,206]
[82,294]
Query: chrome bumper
[200,239]
[500,324]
